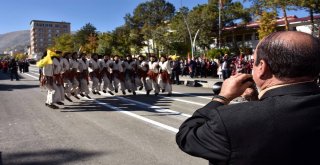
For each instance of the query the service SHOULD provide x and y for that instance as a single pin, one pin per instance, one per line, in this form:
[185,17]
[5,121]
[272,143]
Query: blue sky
[105,15]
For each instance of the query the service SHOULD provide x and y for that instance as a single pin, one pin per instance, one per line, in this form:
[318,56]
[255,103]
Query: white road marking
[203,97]
[172,98]
[172,129]
[32,76]
[156,108]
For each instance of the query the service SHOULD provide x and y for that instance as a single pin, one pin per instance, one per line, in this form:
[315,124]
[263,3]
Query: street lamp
[192,42]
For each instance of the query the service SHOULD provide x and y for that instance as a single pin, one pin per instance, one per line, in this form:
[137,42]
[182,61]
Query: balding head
[290,54]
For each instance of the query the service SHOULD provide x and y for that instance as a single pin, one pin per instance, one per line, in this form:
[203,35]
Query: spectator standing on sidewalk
[13,67]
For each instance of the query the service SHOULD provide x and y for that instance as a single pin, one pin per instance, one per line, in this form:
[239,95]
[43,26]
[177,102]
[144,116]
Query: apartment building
[42,35]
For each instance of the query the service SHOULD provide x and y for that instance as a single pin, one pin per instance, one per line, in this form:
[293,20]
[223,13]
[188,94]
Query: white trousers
[152,85]
[107,84]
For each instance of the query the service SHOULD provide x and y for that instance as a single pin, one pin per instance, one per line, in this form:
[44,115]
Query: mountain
[14,40]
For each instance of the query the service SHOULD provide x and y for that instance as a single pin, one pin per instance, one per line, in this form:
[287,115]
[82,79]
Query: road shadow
[122,105]
[7,87]
[48,157]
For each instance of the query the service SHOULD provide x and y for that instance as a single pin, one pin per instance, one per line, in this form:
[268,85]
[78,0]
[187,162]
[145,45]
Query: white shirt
[153,67]
[165,66]
[65,64]
[83,65]
[57,67]
[93,65]
[118,67]
[74,64]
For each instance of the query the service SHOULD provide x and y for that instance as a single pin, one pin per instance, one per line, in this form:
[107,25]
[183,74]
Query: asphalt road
[108,130]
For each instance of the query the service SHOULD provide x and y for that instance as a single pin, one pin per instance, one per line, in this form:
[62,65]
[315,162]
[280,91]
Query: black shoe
[93,92]
[52,106]
[60,103]
[82,95]
[116,90]
[98,93]
[156,94]
[141,88]
[124,92]
[88,96]
[46,104]
[68,98]
[148,92]
[163,90]
[129,91]
[169,94]
[104,91]
[110,93]
[76,97]
[134,93]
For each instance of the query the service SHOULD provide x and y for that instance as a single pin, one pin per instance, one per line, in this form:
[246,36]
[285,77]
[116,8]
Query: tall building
[42,34]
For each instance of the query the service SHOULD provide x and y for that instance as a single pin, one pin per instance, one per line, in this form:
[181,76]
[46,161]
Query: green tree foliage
[265,6]
[64,43]
[121,41]
[268,24]
[312,6]
[148,16]
[105,44]
[82,36]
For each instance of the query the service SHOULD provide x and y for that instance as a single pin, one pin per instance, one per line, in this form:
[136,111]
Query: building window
[229,39]
[256,36]
[247,37]
[239,38]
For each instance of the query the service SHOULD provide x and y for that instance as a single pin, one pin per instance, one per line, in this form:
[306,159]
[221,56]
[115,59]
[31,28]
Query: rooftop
[280,22]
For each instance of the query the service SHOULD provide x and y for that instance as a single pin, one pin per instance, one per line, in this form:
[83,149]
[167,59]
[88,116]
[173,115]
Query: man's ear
[263,70]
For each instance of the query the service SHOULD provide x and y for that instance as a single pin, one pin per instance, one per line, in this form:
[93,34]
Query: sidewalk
[205,82]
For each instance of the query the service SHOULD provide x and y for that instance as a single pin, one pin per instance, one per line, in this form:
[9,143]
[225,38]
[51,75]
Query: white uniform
[48,72]
[66,77]
[165,84]
[131,75]
[83,70]
[94,71]
[153,82]
[57,85]
[118,70]
[142,65]
[74,67]
[105,66]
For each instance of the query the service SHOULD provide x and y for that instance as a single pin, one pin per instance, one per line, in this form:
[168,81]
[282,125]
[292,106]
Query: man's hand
[234,86]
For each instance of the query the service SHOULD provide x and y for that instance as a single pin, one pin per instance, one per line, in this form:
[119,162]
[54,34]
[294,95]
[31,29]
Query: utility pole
[192,42]
[220,6]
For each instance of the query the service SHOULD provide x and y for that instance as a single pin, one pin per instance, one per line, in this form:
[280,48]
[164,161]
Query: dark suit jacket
[282,128]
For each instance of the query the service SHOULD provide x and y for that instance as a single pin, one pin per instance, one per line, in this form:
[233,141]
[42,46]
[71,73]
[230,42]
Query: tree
[81,37]
[65,43]
[284,5]
[149,15]
[313,6]
[105,43]
[121,41]
[268,24]
[92,43]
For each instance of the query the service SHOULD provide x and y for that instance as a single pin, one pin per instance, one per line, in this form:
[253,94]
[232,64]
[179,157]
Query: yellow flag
[46,60]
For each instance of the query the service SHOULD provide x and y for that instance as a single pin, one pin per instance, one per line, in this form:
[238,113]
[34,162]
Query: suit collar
[294,89]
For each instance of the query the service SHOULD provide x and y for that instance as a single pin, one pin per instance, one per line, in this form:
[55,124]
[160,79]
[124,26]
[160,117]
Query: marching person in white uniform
[152,78]
[164,77]
[106,65]
[66,74]
[83,76]
[74,74]
[94,72]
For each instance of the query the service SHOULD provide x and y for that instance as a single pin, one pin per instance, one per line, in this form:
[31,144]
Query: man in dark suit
[282,127]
